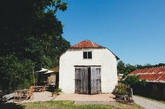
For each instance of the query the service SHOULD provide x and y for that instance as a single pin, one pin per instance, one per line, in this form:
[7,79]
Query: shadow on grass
[11,106]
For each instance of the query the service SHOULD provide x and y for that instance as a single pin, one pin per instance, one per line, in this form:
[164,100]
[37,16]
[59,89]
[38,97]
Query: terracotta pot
[59,93]
[54,95]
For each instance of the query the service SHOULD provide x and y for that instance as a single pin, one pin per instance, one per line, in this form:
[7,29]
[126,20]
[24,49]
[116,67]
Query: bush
[134,80]
[121,89]
[15,74]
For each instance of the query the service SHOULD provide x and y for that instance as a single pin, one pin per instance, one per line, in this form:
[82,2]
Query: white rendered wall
[101,57]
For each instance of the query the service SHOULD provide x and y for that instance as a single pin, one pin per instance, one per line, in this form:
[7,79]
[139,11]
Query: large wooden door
[87,80]
[95,80]
[81,80]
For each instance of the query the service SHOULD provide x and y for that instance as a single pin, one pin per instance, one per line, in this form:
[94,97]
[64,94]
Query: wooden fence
[151,90]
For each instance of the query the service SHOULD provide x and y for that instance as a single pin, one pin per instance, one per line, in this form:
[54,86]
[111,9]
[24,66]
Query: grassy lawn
[62,105]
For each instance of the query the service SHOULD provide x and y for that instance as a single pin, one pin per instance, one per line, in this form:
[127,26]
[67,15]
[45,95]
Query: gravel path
[148,104]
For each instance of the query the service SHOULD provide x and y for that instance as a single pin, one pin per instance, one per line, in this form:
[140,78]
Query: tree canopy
[126,69]
[120,67]
[31,38]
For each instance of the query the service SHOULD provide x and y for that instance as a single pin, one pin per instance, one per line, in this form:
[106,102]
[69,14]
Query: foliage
[126,69]
[122,89]
[134,80]
[54,92]
[120,67]
[15,73]
[31,32]
[143,82]
[129,68]
[57,90]
[149,65]
[31,38]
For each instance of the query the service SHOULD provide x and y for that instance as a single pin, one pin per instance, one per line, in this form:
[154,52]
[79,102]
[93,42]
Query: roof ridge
[87,44]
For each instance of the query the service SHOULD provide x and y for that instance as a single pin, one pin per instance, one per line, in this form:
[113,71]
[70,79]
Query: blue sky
[133,29]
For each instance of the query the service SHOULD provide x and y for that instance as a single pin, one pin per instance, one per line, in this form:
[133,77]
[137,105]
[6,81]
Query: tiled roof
[155,74]
[87,44]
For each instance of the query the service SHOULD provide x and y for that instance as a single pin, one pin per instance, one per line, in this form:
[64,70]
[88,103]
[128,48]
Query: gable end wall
[102,57]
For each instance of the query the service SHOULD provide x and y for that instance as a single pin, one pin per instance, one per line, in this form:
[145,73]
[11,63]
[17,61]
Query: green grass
[61,105]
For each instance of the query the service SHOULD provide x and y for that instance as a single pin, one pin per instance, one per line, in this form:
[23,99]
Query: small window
[90,55]
[87,55]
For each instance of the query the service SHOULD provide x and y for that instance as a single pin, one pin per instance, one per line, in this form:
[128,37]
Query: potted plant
[59,91]
[121,91]
[54,93]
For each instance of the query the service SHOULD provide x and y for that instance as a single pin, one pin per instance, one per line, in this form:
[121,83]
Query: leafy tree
[56,49]
[134,80]
[29,28]
[128,69]
[160,64]
[15,73]
[31,37]
[149,66]
[120,67]
[125,69]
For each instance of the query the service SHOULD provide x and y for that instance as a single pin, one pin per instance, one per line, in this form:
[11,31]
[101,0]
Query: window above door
[87,55]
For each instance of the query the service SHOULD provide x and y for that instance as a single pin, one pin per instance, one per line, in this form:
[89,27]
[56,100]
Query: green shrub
[122,89]
[133,80]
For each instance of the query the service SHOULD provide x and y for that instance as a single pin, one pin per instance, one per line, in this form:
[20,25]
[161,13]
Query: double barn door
[87,80]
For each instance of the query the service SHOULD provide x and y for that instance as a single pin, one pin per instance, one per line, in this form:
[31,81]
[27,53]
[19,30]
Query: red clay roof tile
[87,44]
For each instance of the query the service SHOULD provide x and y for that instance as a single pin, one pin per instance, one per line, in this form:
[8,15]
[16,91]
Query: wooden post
[33,76]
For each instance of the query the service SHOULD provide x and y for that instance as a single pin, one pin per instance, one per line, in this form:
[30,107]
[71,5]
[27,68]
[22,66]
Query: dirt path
[148,104]
[78,98]
[46,96]
[81,97]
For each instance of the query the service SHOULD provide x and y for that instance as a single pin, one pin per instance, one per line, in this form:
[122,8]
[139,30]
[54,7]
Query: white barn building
[88,68]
